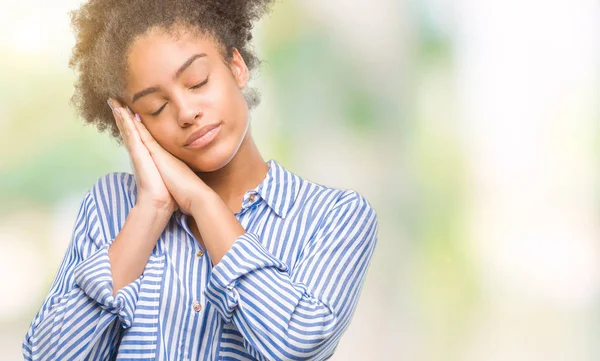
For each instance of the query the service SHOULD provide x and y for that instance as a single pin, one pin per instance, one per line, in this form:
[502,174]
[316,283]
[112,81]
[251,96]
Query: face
[182,87]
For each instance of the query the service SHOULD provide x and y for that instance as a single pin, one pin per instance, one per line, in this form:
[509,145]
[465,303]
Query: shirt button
[251,197]
[197,306]
[200,253]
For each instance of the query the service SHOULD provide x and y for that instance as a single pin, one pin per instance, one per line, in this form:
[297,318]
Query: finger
[129,112]
[138,153]
[160,155]
[145,135]
[115,107]
[128,129]
[156,150]
[121,110]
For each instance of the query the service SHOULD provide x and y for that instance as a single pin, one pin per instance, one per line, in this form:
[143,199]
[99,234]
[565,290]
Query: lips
[197,134]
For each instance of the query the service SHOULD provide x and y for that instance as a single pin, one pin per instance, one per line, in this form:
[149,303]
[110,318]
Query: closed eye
[200,84]
[159,110]
[193,87]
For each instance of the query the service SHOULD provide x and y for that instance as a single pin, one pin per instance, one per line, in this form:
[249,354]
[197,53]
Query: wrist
[158,208]
[152,214]
[129,252]
[203,197]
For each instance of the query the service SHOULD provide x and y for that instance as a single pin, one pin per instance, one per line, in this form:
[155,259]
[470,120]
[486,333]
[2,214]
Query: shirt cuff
[245,256]
[94,277]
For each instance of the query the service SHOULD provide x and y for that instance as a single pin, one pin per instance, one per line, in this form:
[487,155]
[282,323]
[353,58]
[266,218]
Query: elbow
[26,349]
[321,351]
[313,341]
[28,345]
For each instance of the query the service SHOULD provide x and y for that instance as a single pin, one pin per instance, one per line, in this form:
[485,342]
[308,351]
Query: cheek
[234,108]
[228,98]
[163,135]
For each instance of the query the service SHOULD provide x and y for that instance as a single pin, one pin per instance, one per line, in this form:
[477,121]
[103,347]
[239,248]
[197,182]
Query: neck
[244,172]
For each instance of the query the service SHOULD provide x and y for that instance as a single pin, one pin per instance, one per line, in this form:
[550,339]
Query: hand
[152,191]
[185,187]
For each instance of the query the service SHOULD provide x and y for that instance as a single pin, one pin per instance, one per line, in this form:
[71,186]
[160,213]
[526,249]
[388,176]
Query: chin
[210,161]
[216,156]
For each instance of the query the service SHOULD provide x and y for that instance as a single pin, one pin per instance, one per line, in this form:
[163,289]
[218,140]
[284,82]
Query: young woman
[206,252]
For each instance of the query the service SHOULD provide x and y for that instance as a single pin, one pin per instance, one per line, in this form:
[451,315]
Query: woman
[207,251]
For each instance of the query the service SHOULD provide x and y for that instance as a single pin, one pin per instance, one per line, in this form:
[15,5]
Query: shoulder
[336,199]
[105,206]
[114,191]
[344,214]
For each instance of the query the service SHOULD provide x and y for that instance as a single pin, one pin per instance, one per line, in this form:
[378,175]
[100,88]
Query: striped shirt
[286,290]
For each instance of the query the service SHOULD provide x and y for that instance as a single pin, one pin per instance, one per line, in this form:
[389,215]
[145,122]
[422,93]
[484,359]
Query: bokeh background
[471,127]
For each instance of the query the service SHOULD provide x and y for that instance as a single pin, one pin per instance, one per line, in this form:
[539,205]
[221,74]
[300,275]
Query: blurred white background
[470,126]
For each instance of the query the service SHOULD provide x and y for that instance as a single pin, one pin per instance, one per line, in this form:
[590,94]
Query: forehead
[157,54]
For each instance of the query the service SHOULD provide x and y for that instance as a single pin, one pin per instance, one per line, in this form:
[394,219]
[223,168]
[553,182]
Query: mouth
[203,136]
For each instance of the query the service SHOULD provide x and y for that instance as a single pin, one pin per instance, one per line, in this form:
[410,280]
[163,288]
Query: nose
[189,112]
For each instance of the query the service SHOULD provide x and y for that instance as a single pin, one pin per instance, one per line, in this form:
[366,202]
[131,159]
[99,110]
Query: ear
[239,69]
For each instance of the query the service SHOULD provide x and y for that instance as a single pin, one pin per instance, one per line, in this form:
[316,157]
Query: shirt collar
[279,189]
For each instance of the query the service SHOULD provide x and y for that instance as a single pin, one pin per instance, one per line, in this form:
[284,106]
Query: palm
[152,191]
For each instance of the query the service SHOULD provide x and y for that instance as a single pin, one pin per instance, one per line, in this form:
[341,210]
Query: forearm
[217,224]
[132,247]
[72,326]
[300,313]
[277,314]
[254,290]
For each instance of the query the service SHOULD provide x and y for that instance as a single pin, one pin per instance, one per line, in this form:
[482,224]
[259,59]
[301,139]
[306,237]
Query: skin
[207,184]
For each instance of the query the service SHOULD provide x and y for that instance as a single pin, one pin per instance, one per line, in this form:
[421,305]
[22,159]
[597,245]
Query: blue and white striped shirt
[286,290]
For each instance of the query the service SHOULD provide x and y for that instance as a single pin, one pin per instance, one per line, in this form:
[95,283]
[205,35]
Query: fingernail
[137,117]
[112,107]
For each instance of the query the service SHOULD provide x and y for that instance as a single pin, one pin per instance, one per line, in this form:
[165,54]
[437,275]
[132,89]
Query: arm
[131,249]
[297,314]
[282,314]
[82,315]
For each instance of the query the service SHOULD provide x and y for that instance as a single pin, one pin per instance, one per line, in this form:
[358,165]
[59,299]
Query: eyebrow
[181,69]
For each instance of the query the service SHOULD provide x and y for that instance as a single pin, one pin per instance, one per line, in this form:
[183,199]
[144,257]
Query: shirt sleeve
[80,318]
[300,313]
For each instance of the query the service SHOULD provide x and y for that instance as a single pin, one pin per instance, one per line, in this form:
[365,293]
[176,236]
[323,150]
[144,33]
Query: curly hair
[105,30]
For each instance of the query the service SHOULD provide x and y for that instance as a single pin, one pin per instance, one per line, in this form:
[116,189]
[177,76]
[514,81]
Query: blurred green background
[471,127]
